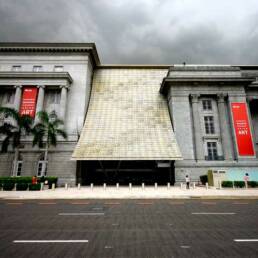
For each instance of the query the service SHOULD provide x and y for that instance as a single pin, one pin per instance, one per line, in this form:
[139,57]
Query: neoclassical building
[131,123]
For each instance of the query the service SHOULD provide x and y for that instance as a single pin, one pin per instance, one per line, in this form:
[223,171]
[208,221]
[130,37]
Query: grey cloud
[141,31]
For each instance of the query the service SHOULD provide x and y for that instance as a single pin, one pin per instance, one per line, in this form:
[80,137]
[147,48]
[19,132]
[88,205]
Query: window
[37,68]
[9,97]
[206,104]
[16,68]
[18,168]
[209,125]
[40,169]
[54,97]
[212,151]
[58,68]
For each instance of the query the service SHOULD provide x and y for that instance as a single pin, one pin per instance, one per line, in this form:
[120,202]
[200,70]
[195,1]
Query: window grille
[37,68]
[209,125]
[206,104]
[212,151]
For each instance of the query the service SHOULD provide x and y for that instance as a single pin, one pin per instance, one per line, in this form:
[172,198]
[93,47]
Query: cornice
[203,80]
[51,47]
[36,75]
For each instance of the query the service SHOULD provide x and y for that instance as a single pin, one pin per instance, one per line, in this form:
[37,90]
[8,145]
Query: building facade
[131,123]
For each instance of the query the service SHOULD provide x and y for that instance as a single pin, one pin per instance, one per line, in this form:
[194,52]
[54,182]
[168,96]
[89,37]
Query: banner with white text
[242,129]
[29,101]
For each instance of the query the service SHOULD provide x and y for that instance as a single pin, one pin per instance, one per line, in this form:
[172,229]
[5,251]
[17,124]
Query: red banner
[242,129]
[29,100]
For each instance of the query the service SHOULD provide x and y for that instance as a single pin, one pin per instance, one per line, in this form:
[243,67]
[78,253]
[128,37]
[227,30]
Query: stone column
[199,154]
[251,122]
[40,101]
[63,100]
[17,97]
[224,128]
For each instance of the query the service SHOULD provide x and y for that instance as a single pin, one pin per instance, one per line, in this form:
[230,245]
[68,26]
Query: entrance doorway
[125,172]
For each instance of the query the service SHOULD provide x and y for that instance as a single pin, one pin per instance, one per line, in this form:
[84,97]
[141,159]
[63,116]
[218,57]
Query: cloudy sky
[141,31]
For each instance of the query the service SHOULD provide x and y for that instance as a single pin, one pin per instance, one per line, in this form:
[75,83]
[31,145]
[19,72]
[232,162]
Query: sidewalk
[150,192]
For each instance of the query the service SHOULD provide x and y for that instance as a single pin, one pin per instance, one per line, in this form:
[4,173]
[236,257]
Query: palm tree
[47,130]
[13,127]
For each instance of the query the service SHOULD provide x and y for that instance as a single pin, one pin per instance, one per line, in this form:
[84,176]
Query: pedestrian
[34,180]
[246,179]
[187,180]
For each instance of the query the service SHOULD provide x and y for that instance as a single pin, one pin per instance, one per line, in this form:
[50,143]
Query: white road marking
[246,240]
[50,241]
[213,213]
[82,214]
[185,246]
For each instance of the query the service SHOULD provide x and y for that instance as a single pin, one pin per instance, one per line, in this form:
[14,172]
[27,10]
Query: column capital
[221,97]
[250,98]
[41,86]
[195,97]
[64,86]
[18,86]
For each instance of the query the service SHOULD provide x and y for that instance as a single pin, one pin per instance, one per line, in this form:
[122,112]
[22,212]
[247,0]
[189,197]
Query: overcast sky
[141,31]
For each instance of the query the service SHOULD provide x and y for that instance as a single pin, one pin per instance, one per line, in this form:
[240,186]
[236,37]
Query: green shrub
[8,186]
[6,179]
[35,187]
[204,179]
[227,184]
[21,186]
[27,180]
[252,183]
[239,184]
[18,179]
[23,179]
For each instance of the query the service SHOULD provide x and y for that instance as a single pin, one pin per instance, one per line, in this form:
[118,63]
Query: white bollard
[130,186]
[233,184]
[156,185]
[207,186]
[79,186]
[168,185]
[220,186]
[66,186]
[41,186]
[117,185]
[15,186]
[181,185]
[91,186]
[104,186]
[194,185]
[143,186]
[53,186]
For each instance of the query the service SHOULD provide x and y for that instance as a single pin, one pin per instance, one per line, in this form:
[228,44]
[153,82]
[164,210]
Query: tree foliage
[13,127]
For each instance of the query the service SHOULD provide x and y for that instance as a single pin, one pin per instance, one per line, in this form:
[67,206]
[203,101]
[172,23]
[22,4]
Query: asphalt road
[128,228]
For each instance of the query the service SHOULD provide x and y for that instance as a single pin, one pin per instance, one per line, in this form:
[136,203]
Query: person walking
[246,179]
[187,180]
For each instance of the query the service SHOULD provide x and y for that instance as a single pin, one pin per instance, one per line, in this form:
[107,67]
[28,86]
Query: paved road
[128,228]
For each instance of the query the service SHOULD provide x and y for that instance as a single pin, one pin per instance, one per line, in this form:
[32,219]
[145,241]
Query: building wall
[80,68]
[185,107]
[181,109]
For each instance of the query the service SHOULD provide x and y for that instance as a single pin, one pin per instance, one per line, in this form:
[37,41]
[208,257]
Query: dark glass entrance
[125,172]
